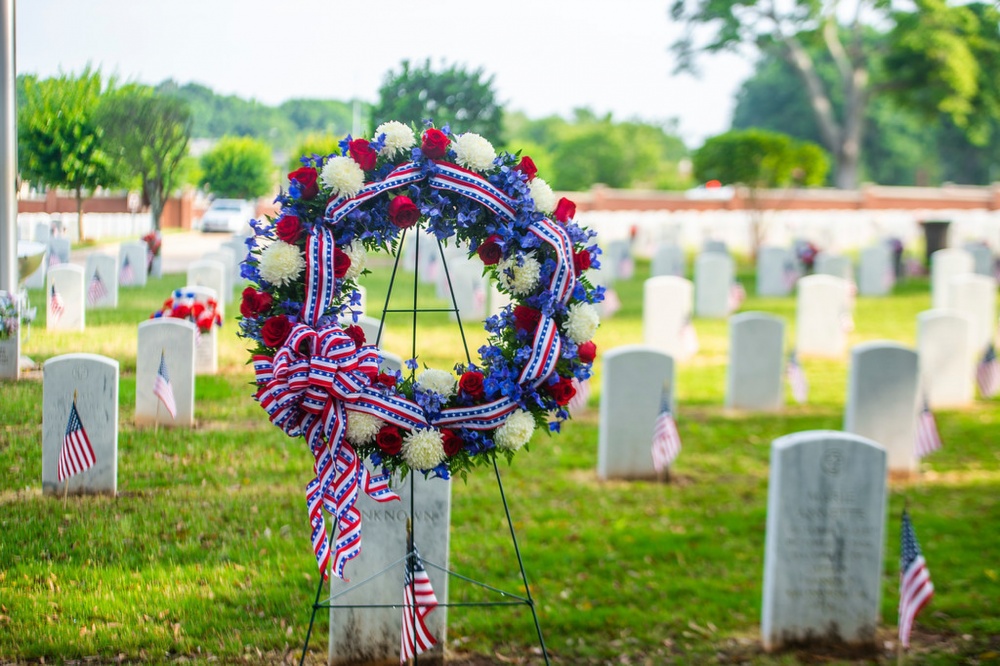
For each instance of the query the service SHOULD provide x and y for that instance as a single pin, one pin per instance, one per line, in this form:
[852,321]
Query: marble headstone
[101,269]
[823,308]
[617,256]
[211,274]
[756,359]
[227,258]
[882,400]
[633,384]
[64,285]
[132,264]
[371,635]
[59,249]
[716,246]
[175,339]
[469,288]
[836,265]
[713,279]
[777,271]
[667,323]
[668,260]
[976,297]
[876,274]
[206,351]
[982,258]
[239,250]
[826,502]
[94,381]
[947,364]
[946,264]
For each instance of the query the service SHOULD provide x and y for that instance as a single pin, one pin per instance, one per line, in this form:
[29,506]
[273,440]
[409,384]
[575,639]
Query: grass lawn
[205,553]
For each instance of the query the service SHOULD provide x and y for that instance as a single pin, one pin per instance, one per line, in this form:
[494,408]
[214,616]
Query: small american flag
[928,439]
[689,337]
[96,290]
[611,303]
[580,398]
[56,305]
[737,294]
[666,439]
[797,378]
[626,267]
[162,388]
[126,276]
[54,259]
[988,373]
[418,601]
[790,275]
[76,454]
[915,586]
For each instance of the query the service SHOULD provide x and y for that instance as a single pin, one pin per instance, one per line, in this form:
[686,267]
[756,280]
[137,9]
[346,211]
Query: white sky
[547,56]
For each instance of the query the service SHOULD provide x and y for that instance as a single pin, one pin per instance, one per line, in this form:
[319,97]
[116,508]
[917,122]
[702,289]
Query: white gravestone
[823,308]
[43,230]
[100,280]
[947,365]
[717,246]
[617,257]
[132,264]
[666,314]
[633,384]
[227,258]
[756,360]
[239,250]
[175,340]
[876,275]
[836,265]
[94,380]
[469,288]
[882,400]
[976,297]
[946,264]
[371,635]
[10,340]
[713,279]
[982,258]
[668,260]
[777,271]
[496,300]
[65,296]
[826,503]
[211,274]
[206,352]
[59,249]
[390,362]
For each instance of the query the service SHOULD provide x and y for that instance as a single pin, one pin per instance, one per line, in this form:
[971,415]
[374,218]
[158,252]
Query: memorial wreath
[317,378]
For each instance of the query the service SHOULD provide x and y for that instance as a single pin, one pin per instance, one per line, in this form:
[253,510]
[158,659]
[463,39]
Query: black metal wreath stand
[509,598]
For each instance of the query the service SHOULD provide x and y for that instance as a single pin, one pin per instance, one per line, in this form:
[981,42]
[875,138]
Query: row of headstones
[886,385]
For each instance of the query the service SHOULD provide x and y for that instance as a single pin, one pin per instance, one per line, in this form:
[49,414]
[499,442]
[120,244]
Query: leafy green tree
[313,144]
[59,138]
[149,134]
[238,168]
[452,95]
[322,116]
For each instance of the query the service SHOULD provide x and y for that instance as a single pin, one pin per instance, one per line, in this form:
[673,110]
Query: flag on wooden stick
[418,601]
[76,454]
[126,275]
[797,378]
[56,305]
[580,398]
[666,439]
[915,586]
[928,439]
[162,388]
[988,373]
[96,290]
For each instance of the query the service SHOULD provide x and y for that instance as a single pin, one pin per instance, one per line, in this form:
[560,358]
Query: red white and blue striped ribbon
[321,283]
[563,277]
[404,174]
[471,185]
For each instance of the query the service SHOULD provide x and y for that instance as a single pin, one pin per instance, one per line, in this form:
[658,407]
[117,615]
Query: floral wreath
[187,305]
[320,380]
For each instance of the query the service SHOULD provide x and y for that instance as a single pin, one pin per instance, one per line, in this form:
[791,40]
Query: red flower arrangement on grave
[203,313]
[320,380]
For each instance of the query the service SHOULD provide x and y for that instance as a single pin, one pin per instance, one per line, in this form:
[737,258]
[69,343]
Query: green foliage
[321,116]
[759,158]
[313,144]
[238,168]
[452,95]
[148,134]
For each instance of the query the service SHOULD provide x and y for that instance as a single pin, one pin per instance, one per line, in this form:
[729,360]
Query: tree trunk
[79,214]
[155,196]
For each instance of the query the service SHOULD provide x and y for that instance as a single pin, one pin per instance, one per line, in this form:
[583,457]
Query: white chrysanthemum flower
[362,427]
[581,322]
[343,175]
[423,449]
[441,382]
[544,197]
[280,263]
[516,431]
[525,275]
[359,257]
[473,151]
[398,138]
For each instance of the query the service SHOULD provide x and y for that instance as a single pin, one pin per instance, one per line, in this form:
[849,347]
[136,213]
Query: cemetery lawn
[205,554]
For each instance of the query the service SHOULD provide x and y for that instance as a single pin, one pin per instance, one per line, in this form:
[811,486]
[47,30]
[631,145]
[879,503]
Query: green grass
[205,552]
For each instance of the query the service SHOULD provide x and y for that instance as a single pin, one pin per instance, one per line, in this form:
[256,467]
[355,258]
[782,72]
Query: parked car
[229,215]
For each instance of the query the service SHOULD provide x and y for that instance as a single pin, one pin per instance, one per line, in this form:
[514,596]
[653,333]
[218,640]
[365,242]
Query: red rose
[434,144]
[526,318]
[289,229]
[357,334]
[386,380]
[341,262]
[562,391]
[255,303]
[472,384]
[587,351]
[204,323]
[565,210]
[362,153]
[389,440]
[527,167]
[182,311]
[490,251]
[198,307]
[306,178]
[403,212]
[581,261]
[275,331]
[452,442]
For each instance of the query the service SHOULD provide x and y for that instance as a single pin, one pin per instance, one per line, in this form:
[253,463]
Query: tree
[149,134]
[452,96]
[238,168]
[313,144]
[59,138]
